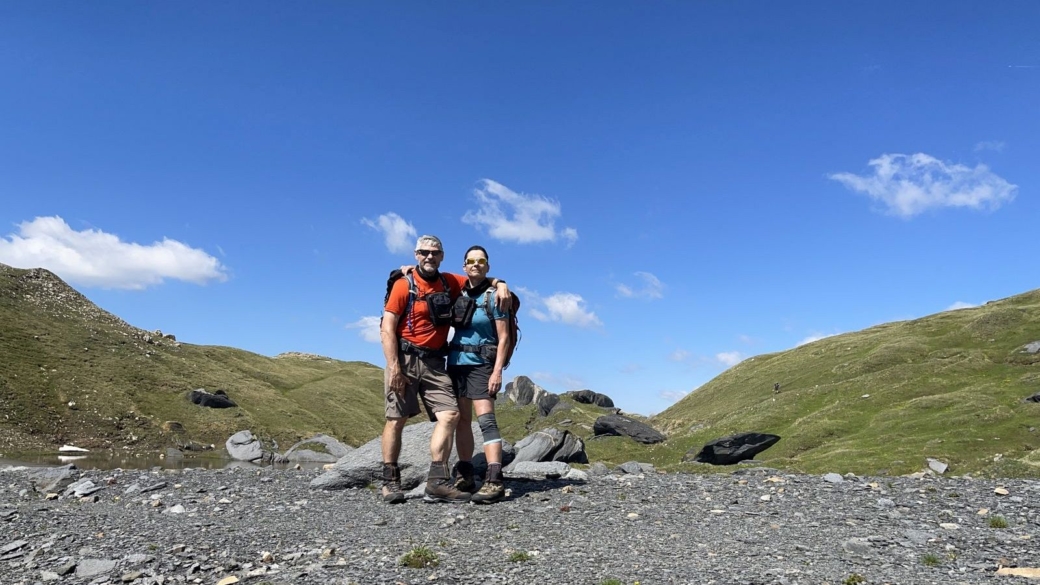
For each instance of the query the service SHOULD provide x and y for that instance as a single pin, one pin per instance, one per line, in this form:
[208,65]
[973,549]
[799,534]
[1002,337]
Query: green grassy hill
[72,373]
[882,400]
[948,386]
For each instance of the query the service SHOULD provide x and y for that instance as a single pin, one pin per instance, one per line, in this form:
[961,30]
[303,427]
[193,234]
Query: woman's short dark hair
[471,248]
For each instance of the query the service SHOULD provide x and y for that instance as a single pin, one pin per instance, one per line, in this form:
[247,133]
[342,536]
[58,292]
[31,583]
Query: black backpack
[440,308]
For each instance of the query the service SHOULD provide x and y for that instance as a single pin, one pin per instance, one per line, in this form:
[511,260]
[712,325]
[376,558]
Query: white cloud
[565,381]
[651,288]
[729,358]
[747,339]
[912,184]
[994,145]
[399,235]
[814,337]
[368,328]
[960,305]
[516,217]
[672,396]
[561,307]
[680,355]
[95,258]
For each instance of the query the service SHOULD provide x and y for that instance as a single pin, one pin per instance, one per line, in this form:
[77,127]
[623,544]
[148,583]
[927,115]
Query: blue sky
[671,187]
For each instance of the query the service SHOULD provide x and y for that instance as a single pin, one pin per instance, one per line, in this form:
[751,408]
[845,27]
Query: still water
[109,460]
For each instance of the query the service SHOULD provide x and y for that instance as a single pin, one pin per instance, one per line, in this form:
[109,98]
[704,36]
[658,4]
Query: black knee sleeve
[489,428]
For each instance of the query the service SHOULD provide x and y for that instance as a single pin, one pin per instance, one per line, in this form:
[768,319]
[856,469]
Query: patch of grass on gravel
[854,579]
[420,557]
[931,560]
[519,557]
[998,522]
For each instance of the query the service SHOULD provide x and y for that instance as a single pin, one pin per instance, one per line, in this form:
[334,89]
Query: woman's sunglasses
[472,261]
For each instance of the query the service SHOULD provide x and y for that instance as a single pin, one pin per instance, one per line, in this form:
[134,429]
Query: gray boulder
[623,426]
[1033,398]
[523,391]
[732,449]
[52,479]
[364,466]
[549,445]
[243,446]
[1032,347]
[635,468]
[217,400]
[319,448]
[590,397]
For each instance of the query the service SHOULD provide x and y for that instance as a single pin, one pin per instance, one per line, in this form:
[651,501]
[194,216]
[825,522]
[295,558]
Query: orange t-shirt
[422,331]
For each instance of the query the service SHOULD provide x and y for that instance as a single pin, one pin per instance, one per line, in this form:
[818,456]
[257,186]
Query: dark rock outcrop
[623,426]
[590,397]
[733,449]
[523,391]
[550,445]
[1033,398]
[219,399]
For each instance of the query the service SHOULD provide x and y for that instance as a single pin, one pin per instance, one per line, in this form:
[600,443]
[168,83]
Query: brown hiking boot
[464,481]
[439,487]
[391,491]
[489,492]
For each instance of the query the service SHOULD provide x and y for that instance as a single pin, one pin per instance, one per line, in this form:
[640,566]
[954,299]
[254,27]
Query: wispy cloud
[994,145]
[566,381]
[960,305]
[517,217]
[368,328]
[729,358]
[814,337]
[672,396]
[398,234]
[562,307]
[912,184]
[680,355]
[650,287]
[95,258]
[747,339]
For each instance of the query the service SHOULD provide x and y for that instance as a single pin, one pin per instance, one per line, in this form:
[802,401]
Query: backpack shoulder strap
[413,293]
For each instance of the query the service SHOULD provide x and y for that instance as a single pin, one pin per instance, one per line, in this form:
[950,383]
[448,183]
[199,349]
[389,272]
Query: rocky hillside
[74,373]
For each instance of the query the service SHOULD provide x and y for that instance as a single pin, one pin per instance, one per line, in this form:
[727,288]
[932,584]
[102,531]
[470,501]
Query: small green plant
[854,579]
[153,546]
[519,557]
[420,557]
[621,496]
[998,522]
[953,495]
[931,560]
[512,527]
[611,582]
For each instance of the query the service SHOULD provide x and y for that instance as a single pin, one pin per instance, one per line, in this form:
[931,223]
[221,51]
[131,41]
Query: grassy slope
[59,348]
[948,386]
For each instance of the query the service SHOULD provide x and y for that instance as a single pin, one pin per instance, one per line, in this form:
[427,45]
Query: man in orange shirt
[414,334]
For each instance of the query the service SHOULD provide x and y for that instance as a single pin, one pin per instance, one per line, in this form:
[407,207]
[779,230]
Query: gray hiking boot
[439,487]
[489,492]
[391,491]
[464,481]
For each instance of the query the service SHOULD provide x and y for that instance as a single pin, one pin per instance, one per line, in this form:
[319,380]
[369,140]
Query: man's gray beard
[424,274]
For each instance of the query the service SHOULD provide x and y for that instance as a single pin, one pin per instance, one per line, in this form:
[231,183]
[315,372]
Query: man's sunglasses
[425,253]
[472,261]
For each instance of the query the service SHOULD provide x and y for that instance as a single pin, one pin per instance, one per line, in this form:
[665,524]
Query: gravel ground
[755,526]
